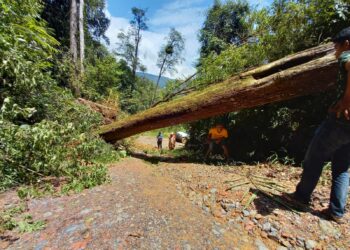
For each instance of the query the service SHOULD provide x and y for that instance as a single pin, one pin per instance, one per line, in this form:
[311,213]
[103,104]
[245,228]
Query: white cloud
[185,16]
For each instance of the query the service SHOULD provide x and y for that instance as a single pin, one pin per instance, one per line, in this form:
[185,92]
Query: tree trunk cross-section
[304,73]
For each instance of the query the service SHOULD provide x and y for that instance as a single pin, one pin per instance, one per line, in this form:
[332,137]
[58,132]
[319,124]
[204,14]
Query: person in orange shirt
[217,135]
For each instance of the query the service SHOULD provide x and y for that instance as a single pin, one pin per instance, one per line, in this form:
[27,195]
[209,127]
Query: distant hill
[154,78]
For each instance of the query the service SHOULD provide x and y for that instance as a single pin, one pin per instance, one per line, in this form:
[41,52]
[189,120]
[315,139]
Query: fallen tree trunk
[304,73]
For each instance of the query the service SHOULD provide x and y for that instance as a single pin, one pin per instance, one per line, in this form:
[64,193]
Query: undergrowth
[44,133]
[15,218]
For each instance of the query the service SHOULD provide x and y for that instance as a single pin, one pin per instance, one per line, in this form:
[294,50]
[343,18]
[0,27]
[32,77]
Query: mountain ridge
[163,80]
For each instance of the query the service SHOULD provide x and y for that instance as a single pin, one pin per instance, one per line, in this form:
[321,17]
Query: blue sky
[184,15]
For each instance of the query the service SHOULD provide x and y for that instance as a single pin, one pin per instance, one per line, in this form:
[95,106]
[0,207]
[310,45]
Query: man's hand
[342,108]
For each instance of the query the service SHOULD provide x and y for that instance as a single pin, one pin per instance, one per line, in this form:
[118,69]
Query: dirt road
[177,206]
[139,209]
[150,143]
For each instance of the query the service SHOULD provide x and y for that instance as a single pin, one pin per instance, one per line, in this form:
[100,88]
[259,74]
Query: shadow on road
[155,159]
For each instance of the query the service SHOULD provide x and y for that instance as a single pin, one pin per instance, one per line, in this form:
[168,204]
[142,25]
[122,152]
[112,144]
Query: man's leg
[210,148]
[325,142]
[340,181]
[225,149]
[227,155]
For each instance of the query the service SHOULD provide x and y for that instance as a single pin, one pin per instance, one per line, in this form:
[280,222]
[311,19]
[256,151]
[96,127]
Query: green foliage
[104,74]
[140,99]
[26,49]
[170,54]
[56,13]
[7,221]
[215,68]
[284,129]
[27,192]
[225,25]
[10,219]
[96,19]
[50,149]
[43,131]
[28,225]
[290,26]
[129,41]
[85,177]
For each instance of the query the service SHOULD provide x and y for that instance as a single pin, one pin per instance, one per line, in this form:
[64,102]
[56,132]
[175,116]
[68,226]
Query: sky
[186,16]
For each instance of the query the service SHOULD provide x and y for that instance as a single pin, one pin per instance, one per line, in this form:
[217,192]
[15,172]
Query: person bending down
[217,135]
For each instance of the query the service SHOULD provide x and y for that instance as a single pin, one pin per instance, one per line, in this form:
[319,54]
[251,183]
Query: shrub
[43,130]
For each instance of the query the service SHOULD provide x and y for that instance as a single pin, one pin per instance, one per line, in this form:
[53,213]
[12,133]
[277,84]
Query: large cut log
[304,73]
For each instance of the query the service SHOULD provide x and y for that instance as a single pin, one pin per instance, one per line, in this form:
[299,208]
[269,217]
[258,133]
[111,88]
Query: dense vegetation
[248,37]
[43,131]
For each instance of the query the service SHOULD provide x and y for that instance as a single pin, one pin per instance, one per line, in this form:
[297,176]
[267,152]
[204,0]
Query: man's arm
[344,105]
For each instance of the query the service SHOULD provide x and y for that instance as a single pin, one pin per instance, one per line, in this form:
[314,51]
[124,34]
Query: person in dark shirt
[160,141]
[332,140]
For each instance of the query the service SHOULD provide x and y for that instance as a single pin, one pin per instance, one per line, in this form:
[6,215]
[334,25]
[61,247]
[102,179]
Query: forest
[54,53]
[51,55]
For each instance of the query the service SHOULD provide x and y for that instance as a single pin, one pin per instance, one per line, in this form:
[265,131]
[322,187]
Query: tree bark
[73,31]
[157,85]
[136,54]
[304,73]
[73,23]
[81,35]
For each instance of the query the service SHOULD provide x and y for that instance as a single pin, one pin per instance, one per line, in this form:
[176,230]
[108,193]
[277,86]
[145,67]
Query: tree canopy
[225,25]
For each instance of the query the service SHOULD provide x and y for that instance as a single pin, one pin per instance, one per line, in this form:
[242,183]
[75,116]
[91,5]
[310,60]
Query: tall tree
[129,42]
[138,23]
[224,25]
[81,35]
[73,31]
[169,55]
[96,20]
[56,13]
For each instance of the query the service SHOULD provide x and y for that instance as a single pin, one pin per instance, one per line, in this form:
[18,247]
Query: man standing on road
[160,141]
[332,140]
[218,135]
